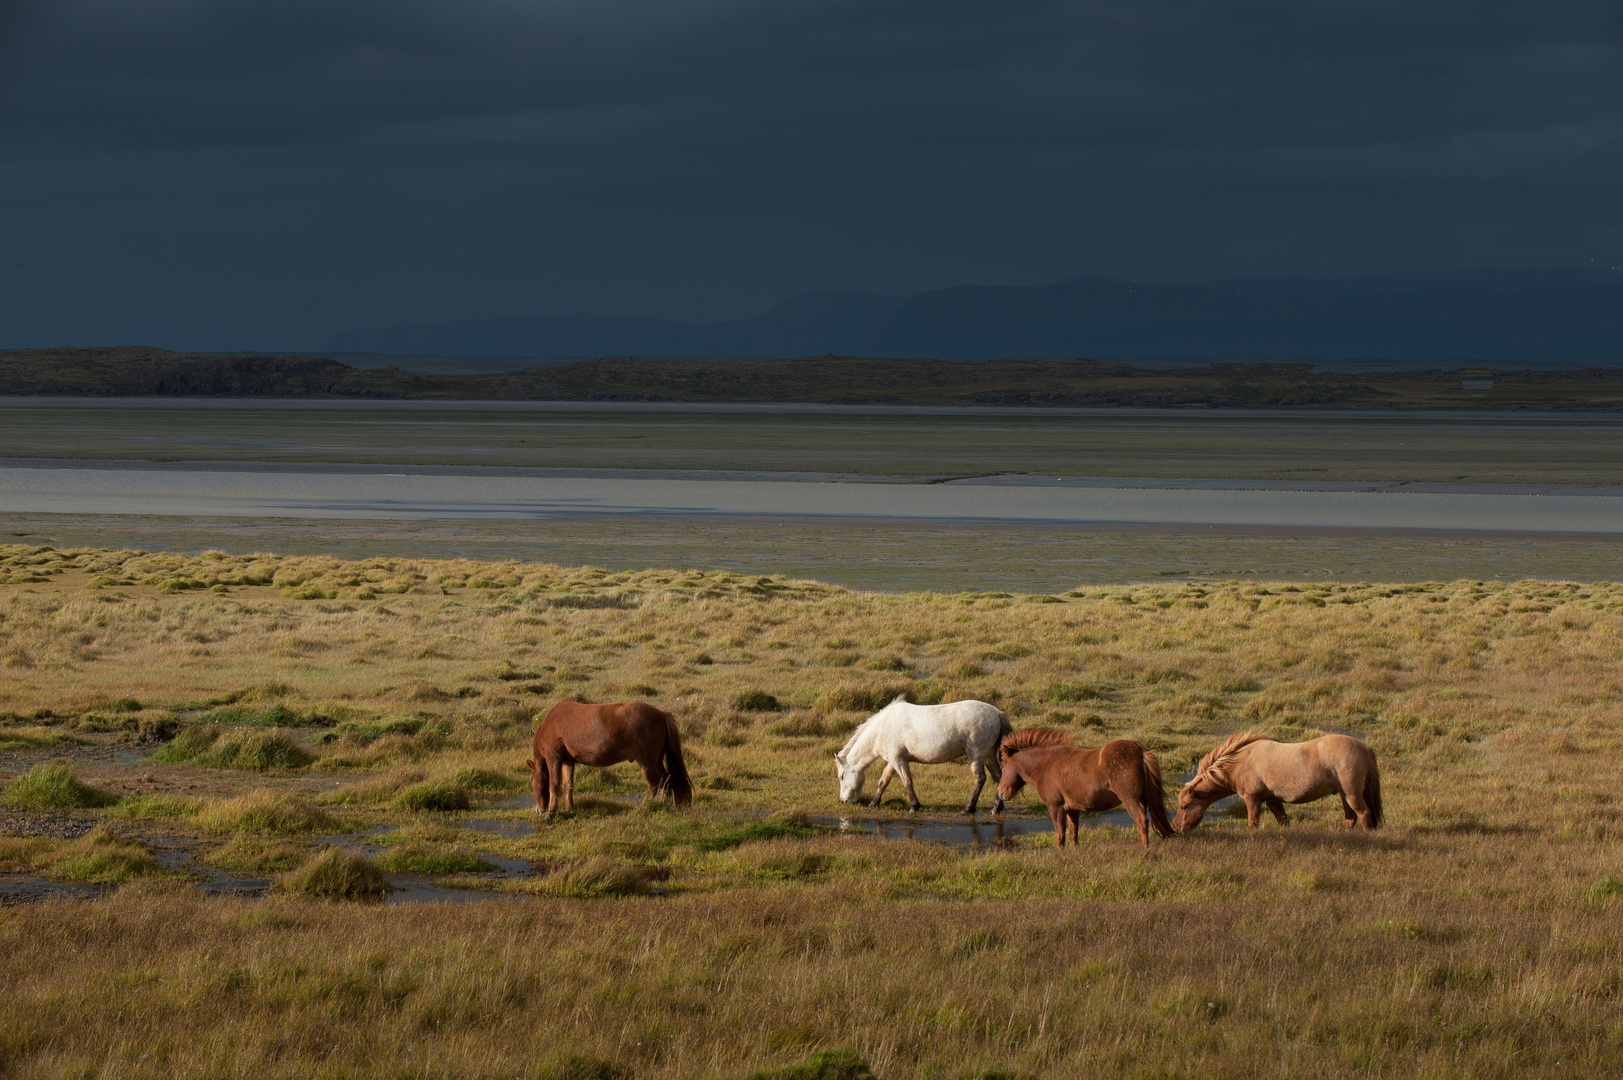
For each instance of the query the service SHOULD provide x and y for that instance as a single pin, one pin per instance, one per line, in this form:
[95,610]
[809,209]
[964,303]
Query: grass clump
[209,744]
[486,780]
[599,875]
[33,738]
[53,786]
[99,858]
[254,855]
[335,874]
[418,858]
[755,701]
[838,1064]
[267,811]
[442,794]
[150,807]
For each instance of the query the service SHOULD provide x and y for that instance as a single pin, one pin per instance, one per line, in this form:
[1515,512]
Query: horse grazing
[902,732]
[1271,774]
[602,735]
[1072,780]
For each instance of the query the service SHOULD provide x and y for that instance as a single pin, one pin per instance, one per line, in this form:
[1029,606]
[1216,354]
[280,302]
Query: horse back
[602,734]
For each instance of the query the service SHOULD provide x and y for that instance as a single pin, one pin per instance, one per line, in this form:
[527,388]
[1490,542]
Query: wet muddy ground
[180,847]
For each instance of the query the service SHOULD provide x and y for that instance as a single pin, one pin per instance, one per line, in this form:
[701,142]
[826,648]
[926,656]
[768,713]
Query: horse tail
[1153,794]
[1372,794]
[1004,728]
[676,770]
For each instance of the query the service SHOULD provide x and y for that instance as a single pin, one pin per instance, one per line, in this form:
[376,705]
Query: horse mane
[1026,738]
[864,726]
[1218,759]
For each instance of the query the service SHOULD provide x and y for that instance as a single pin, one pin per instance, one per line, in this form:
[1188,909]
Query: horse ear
[839,755]
[530,764]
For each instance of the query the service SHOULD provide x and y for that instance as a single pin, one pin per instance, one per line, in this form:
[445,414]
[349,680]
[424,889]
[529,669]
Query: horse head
[850,776]
[1011,782]
[1194,798]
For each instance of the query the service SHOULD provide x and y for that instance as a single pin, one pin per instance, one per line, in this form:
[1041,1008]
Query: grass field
[266,716]
[1383,447]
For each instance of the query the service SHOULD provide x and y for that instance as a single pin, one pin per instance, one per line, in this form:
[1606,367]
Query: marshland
[246,758]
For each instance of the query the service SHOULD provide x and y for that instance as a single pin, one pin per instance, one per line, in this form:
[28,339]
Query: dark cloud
[213,173]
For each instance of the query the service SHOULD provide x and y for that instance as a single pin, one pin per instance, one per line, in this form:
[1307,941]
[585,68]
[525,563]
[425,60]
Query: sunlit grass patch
[335,874]
[53,785]
[267,811]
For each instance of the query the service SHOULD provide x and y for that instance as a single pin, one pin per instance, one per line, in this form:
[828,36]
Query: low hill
[145,372]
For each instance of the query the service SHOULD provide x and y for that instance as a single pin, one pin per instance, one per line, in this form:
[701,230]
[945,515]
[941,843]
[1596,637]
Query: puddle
[24,891]
[983,832]
[495,827]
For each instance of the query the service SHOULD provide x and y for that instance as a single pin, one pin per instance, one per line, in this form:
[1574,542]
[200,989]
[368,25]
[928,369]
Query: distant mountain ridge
[1528,317]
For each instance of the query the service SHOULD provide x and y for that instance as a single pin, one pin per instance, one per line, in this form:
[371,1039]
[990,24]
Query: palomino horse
[902,732]
[1073,781]
[1271,774]
[602,735]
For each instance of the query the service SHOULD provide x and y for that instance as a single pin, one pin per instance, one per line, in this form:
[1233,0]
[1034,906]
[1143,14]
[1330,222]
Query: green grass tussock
[218,747]
[53,786]
[335,874]
[99,858]
[488,780]
[34,738]
[267,811]
[255,855]
[154,807]
[442,794]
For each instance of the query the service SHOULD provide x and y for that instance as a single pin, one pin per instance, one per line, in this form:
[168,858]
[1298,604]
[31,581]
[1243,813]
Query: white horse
[932,734]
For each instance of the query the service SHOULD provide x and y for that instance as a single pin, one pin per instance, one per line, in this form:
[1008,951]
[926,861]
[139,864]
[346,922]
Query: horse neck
[860,752]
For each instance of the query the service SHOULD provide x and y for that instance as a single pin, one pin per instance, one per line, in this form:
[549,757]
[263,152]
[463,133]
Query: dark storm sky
[262,175]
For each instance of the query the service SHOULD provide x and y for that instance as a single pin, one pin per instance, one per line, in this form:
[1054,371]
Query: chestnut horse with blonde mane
[602,735]
[1268,773]
[1072,781]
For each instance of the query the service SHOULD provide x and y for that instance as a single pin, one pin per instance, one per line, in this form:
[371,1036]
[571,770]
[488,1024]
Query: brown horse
[1072,780]
[603,735]
[1271,774]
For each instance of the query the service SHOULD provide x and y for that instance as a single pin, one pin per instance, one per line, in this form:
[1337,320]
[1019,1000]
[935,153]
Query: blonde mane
[1215,764]
[1026,738]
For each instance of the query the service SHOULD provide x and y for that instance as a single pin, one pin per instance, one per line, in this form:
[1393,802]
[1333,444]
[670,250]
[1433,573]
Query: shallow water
[338,493]
[984,831]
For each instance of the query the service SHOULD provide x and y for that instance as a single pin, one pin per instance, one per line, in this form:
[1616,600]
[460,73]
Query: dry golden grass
[1477,935]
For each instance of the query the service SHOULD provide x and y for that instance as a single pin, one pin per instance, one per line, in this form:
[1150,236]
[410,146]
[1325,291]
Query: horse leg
[1135,810]
[907,782]
[1355,798]
[1349,816]
[879,788]
[1278,807]
[1253,810]
[653,774]
[977,772]
[555,780]
[1074,819]
[997,784]
[1056,814]
[568,769]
